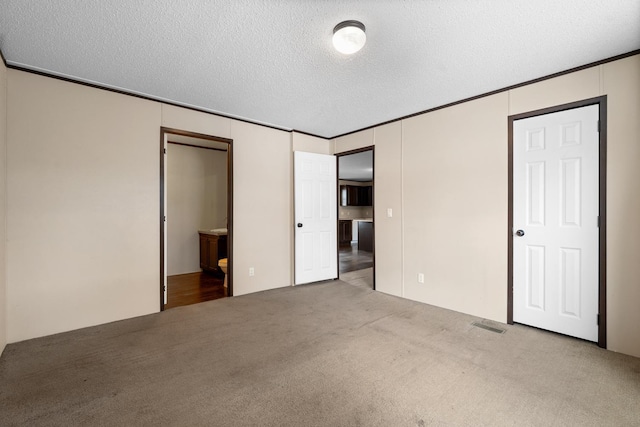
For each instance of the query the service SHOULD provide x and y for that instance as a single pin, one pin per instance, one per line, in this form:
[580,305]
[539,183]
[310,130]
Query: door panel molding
[315,207]
[601,101]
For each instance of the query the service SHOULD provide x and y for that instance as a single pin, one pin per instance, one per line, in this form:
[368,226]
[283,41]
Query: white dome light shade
[349,37]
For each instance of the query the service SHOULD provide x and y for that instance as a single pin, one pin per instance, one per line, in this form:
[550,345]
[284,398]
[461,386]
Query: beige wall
[82,206]
[262,217]
[388,195]
[454,173]
[354,141]
[82,226]
[445,174]
[196,185]
[186,119]
[3,209]
[621,82]
[310,144]
[262,194]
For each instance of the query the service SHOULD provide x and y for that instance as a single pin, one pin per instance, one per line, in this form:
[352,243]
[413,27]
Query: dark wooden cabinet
[365,195]
[348,195]
[212,249]
[352,195]
[365,236]
[344,232]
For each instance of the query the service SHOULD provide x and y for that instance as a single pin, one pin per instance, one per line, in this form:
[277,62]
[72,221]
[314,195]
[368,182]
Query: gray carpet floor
[327,354]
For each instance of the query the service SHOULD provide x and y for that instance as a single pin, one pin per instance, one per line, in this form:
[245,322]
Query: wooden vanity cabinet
[212,249]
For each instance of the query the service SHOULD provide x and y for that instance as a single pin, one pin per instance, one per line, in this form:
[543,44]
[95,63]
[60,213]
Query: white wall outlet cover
[420,278]
[389,212]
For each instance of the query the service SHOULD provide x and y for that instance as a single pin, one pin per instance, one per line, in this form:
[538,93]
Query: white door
[316,256]
[555,220]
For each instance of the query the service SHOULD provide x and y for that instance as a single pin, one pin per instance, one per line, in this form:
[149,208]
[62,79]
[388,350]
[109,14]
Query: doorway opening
[196,218]
[356,231]
[557,219]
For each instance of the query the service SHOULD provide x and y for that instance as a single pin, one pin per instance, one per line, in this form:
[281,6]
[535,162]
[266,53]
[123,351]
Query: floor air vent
[489,328]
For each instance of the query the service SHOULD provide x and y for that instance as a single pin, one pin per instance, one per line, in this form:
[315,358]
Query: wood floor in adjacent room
[352,259]
[362,277]
[194,288]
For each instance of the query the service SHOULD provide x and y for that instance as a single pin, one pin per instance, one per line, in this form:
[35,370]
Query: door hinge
[599,126]
[598,221]
[598,320]
[164,218]
[165,150]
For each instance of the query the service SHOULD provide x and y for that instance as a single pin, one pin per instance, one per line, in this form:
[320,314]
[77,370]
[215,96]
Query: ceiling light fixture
[349,37]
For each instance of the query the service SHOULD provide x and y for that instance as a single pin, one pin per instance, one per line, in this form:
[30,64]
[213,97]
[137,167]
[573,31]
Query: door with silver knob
[316,215]
[555,199]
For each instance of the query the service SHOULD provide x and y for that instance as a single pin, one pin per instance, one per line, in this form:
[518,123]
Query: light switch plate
[389,212]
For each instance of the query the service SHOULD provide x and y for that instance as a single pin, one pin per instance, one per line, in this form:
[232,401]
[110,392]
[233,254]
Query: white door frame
[602,233]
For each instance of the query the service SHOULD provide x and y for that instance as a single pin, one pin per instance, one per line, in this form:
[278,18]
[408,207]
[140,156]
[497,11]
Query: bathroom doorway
[356,231]
[196,218]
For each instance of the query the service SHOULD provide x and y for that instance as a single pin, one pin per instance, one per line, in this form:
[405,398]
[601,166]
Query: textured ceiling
[272,62]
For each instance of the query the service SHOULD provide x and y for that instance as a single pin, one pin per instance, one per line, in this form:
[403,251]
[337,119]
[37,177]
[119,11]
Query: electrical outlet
[389,212]
[420,278]
[252,272]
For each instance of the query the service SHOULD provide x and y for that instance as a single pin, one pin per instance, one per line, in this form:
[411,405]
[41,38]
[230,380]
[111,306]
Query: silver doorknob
[520,233]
